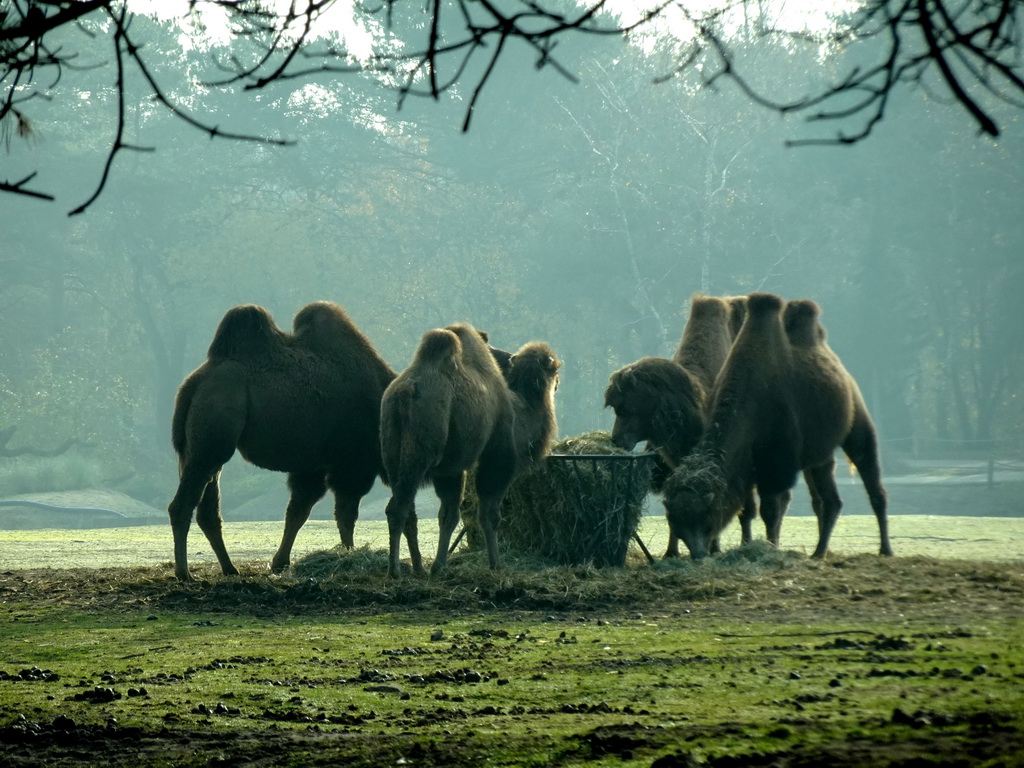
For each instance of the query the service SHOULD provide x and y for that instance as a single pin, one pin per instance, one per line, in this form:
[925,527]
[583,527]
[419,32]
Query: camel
[451,410]
[782,404]
[305,403]
[664,401]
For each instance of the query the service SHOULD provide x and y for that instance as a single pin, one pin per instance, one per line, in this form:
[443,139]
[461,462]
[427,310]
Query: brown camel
[452,410]
[664,402]
[305,403]
[782,404]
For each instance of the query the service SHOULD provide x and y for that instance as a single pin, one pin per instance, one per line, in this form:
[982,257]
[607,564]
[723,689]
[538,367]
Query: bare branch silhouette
[968,50]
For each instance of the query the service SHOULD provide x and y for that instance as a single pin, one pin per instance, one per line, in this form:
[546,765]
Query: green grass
[754,657]
[519,685]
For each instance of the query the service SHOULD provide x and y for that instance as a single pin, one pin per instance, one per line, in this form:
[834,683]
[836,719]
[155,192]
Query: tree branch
[974,48]
[938,55]
[18,188]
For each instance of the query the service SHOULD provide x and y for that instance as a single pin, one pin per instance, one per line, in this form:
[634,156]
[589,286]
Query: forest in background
[583,214]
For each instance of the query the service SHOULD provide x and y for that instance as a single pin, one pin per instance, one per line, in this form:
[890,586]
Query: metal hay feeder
[628,481]
[577,508]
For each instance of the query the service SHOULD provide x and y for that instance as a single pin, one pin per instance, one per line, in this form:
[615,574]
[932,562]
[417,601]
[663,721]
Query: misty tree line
[589,225]
[967,52]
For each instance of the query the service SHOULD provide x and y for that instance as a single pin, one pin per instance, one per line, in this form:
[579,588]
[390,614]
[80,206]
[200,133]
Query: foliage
[587,225]
[69,472]
[63,392]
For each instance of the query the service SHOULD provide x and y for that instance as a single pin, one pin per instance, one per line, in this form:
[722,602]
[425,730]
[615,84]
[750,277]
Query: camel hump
[320,317]
[245,332]
[439,346]
[764,304]
[737,313]
[324,326]
[802,324]
[707,308]
[476,354]
[707,337]
[651,371]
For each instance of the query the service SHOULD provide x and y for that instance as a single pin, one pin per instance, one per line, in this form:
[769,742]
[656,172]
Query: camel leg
[826,501]
[401,506]
[191,488]
[493,476]
[412,541]
[490,516]
[673,538]
[209,519]
[349,484]
[773,509]
[747,517]
[817,505]
[449,489]
[346,512]
[659,474]
[673,544]
[861,446]
[306,490]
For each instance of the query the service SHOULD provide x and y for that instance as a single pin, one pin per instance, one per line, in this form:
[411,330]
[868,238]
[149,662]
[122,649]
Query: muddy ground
[890,599]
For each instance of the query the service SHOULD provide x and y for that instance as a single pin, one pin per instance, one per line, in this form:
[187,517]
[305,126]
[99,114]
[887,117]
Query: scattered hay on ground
[751,581]
[338,561]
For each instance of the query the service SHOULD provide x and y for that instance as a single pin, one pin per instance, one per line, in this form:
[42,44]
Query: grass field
[756,657]
[971,538]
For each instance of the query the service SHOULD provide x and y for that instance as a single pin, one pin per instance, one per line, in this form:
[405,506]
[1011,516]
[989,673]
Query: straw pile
[574,508]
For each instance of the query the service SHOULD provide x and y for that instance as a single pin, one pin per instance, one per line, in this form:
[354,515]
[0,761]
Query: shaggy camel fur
[664,402]
[306,403]
[452,410]
[783,404]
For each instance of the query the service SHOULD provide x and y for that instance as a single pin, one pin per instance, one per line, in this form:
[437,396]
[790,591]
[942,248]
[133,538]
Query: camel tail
[412,439]
[394,429]
[182,403]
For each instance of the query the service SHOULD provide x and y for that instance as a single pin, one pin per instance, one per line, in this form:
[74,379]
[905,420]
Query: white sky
[337,17]
[340,17]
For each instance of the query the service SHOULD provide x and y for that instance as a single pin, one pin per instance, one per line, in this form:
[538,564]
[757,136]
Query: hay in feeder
[580,505]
